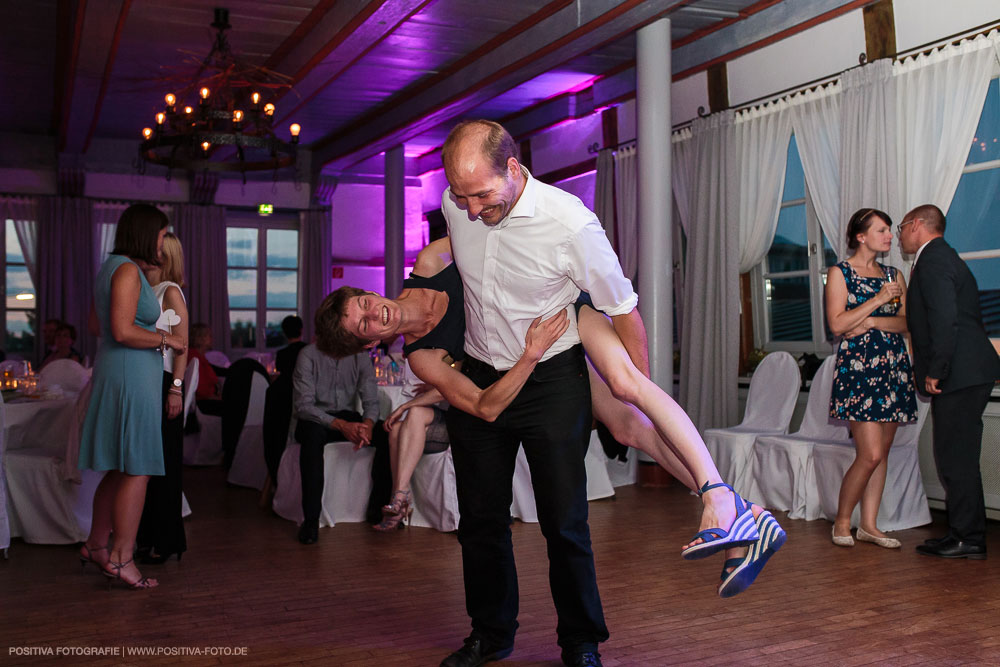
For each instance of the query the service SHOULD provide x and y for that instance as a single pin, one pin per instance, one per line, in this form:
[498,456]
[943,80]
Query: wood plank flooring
[363,598]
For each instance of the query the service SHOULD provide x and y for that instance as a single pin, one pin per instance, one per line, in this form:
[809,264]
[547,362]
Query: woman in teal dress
[873,381]
[121,433]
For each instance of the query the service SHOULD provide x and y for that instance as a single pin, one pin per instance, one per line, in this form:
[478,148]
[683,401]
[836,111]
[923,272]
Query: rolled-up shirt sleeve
[593,265]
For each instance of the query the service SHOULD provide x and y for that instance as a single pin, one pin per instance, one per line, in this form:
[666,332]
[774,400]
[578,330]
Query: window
[788,284]
[974,215]
[20,305]
[262,269]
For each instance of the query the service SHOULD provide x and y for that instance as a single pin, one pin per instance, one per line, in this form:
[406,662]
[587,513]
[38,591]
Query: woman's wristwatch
[176,388]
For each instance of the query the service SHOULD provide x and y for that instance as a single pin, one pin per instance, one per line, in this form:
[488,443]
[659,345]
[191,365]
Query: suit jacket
[946,326]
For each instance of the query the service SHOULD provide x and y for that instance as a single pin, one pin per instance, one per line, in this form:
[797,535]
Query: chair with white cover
[203,448]
[435,492]
[774,388]
[781,472]
[904,503]
[217,358]
[598,482]
[347,483]
[67,373]
[249,468]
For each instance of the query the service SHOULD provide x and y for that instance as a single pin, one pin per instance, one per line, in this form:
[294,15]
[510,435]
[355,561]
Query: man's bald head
[473,140]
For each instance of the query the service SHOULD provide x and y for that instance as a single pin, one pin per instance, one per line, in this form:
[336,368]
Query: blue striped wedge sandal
[741,532]
[745,570]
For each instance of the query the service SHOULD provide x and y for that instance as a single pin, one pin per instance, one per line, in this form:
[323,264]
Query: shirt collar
[525,206]
[920,250]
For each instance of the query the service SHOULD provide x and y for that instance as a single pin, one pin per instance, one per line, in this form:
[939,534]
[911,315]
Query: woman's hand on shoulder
[543,334]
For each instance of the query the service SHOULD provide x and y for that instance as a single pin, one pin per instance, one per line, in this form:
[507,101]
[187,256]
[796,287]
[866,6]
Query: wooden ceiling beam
[570,31]
[98,30]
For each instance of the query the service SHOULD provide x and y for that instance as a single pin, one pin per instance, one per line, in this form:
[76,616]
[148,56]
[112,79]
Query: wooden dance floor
[363,598]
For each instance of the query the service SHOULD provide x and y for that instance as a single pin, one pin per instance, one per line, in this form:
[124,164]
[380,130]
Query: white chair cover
[598,482]
[204,448]
[66,373]
[347,483]
[782,474]
[70,471]
[217,358]
[774,388]
[435,495]
[904,503]
[191,377]
[249,467]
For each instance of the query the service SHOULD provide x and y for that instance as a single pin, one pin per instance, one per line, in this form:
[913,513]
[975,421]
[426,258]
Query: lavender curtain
[24,212]
[202,233]
[316,253]
[66,285]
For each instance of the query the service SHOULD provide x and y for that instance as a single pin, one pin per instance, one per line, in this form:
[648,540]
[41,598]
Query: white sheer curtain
[816,124]
[939,99]
[106,216]
[868,168]
[681,171]
[604,193]
[316,253]
[710,339]
[762,135]
[626,206]
[24,212]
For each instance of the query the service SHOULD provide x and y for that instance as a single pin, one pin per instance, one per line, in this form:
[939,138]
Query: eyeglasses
[899,227]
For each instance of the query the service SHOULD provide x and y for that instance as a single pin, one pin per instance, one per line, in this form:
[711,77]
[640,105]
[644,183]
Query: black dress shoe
[309,532]
[952,548]
[581,658]
[474,653]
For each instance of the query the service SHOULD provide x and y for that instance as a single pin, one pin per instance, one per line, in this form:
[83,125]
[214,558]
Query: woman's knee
[625,384]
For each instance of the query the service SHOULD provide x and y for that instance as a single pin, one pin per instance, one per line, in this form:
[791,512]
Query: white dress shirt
[533,262]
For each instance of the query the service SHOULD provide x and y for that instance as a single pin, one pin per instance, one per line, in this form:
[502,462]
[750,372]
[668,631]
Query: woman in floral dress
[873,381]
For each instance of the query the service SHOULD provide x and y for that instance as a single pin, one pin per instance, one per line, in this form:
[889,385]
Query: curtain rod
[863,59]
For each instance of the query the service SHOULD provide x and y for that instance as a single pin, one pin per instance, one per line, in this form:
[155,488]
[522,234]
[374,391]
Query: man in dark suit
[956,365]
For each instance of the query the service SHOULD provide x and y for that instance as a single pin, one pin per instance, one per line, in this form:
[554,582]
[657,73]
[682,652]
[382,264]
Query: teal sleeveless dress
[122,428]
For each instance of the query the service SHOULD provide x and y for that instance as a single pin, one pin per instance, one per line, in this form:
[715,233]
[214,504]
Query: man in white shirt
[526,249]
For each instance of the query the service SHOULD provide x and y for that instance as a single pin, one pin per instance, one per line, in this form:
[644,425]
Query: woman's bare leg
[870,457]
[101,523]
[412,438]
[678,440]
[127,511]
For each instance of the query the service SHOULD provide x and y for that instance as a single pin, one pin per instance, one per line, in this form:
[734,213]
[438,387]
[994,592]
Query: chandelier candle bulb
[295,128]
[171,100]
[147,132]
[237,117]
[188,110]
[204,92]
[255,98]
[268,109]
[160,117]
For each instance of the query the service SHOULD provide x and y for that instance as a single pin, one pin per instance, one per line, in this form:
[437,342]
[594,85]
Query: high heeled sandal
[745,570]
[397,513]
[741,532]
[89,557]
[141,584]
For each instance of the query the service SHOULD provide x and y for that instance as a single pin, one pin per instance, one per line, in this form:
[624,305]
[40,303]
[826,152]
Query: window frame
[247,220]
[37,343]
[816,272]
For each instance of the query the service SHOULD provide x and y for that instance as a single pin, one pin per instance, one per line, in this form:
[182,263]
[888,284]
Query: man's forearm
[632,332]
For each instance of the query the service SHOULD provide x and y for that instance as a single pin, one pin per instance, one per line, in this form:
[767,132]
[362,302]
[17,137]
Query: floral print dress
[873,380]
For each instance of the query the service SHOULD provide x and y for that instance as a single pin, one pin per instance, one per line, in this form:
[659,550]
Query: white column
[395,220]
[655,206]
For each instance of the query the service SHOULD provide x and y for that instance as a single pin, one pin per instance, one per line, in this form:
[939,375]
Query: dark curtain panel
[315,254]
[202,233]
[66,285]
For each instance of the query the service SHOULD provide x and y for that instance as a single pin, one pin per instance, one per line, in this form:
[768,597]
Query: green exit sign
[265,209]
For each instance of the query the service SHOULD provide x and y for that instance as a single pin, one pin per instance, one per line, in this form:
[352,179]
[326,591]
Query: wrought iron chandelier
[220,119]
